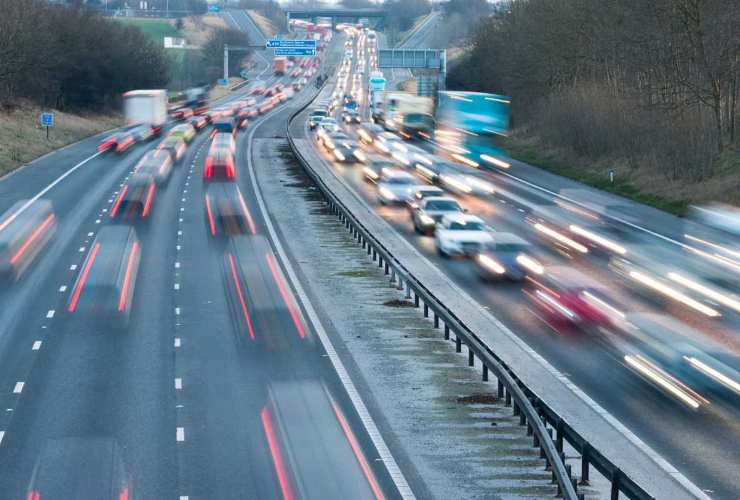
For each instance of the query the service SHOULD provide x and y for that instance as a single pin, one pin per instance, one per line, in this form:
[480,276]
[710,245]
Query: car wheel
[441,252]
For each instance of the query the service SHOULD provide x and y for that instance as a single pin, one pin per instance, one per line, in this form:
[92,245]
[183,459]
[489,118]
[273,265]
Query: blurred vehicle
[384,142]
[135,197]
[224,125]
[469,125]
[552,223]
[182,114]
[329,139]
[329,125]
[196,98]
[296,86]
[118,142]
[676,359]
[185,131]
[198,122]
[266,106]
[407,155]
[408,114]
[395,186]
[223,140]
[279,65]
[568,298]
[347,151]
[156,163]
[105,285]
[175,146]
[142,133]
[367,132]
[350,116]
[661,273]
[464,184]
[79,467]
[507,257]
[374,167]
[212,115]
[461,234]
[422,192]
[146,107]
[428,211]
[315,118]
[225,209]
[25,229]
[219,166]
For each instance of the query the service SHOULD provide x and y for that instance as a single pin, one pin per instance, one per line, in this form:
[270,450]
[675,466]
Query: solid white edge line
[391,466]
[49,187]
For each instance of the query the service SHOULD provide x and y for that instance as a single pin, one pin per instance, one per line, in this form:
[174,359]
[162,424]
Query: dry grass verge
[265,25]
[642,183]
[22,139]
[197,29]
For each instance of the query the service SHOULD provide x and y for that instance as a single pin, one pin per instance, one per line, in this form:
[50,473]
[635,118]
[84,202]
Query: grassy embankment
[265,25]
[22,139]
[639,184]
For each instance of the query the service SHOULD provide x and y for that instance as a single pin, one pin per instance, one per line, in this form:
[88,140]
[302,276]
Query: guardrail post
[369,250]
[515,407]
[471,357]
[375,255]
[458,343]
[507,401]
[500,389]
[416,299]
[393,275]
[386,267]
[380,260]
[447,332]
[436,320]
[485,372]
[616,476]
[585,452]
[408,290]
[559,435]
[426,310]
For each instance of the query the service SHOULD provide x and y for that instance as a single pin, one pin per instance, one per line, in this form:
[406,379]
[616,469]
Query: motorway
[702,445]
[218,386]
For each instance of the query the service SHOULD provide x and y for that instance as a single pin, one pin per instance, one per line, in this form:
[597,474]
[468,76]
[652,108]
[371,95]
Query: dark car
[430,210]
[135,197]
[225,125]
[105,284]
[23,234]
[507,257]
[80,467]
[225,209]
[118,142]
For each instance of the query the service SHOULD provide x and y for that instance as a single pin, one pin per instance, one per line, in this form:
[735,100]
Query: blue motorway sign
[214,8]
[277,43]
[223,82]
[295,52]
[46,119]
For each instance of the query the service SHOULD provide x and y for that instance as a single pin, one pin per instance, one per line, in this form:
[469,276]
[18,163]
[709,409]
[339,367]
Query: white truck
[146,107]
[405,113]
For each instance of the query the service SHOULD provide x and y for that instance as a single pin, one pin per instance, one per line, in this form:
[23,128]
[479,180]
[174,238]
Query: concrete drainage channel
[549,432]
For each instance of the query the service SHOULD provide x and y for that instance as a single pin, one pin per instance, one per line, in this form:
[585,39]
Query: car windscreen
[443,205]
[401,180]
[468,226]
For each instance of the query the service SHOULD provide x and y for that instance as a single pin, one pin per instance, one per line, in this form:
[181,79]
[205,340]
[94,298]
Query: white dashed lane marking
[177,265]
[63,288]
[18,387]
[177,286]
[178,384]
[82,249]
[50,314]
[178,342]
[181,433]
[36,345]
[73,267]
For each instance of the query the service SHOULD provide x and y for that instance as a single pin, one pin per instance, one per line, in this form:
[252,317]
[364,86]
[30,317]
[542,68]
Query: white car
[384,142]
[395,186]
[329,125]
[461,234]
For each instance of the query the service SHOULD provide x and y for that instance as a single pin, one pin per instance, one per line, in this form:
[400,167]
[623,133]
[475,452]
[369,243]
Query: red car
[568,298]
[219,165]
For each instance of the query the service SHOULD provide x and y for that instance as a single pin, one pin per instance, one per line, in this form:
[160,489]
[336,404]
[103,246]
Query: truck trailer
[146,107]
